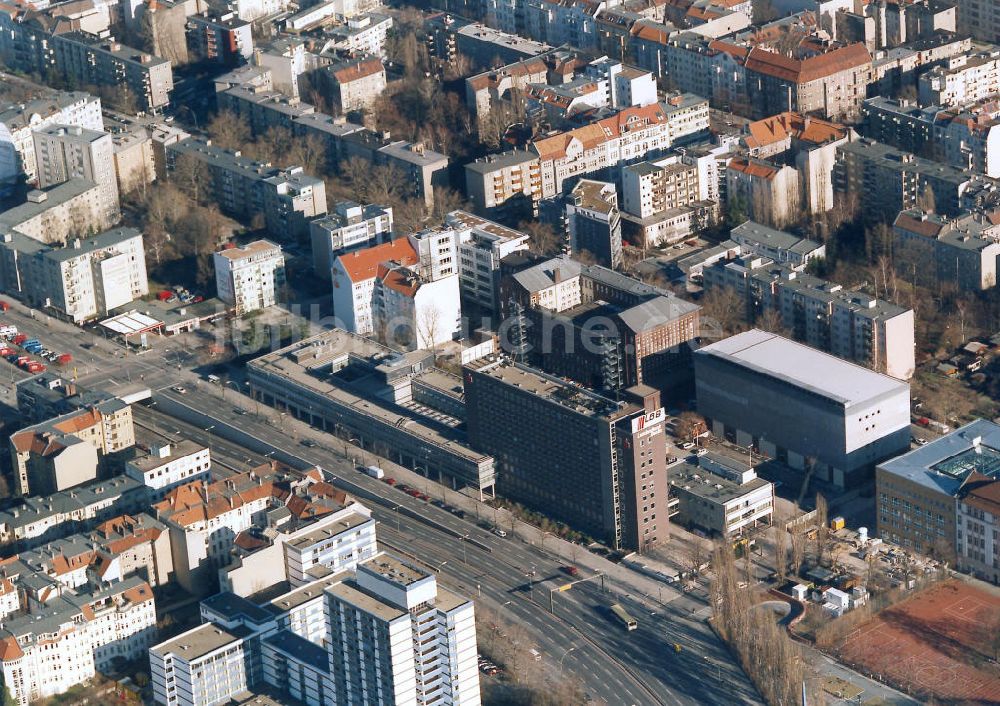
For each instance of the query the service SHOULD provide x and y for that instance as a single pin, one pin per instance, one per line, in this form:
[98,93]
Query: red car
[415,493]
[4,306]
[388,480]
[571,570]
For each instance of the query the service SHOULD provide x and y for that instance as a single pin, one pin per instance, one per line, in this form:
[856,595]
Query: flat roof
[344,524]
[131,323]
[351,595]
[394,569]
[184,447]
[802,366]
[199,641]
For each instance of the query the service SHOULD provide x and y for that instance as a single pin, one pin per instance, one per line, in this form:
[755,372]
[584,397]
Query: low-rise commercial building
[802,407]
[719,495]
[250,277]
[607,477]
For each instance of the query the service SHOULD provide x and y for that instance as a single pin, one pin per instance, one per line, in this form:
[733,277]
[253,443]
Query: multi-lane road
[579,637]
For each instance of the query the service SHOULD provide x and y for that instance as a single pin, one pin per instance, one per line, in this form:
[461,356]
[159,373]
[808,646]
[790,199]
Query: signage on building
[648,419]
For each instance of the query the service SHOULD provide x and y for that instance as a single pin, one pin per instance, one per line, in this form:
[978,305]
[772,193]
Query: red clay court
[928,644]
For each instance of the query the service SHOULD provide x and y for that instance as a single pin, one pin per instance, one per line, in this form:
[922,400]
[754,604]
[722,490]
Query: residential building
[353,277]
[929,249]
[593,222]
[923,501]
[482,245]
[769,193]
[966,137]
[351,226]
[418,637]
[223,38]
[608,476]
[720,496]
[961,80]
[413,309]
[135,159]
[288,198]
[362,34]
[979,18]
[851,325]
[167,466]
[80,281]
[807,143]
[250,277]
[482,43]
[805,408]
[17,122]
[365,392]
[59,213]
[263,109]
[62,453]
[70,637]
[598,327]
[72,152]
[977,534]
[287,59]
[356,83]
[886,180]
[779,246]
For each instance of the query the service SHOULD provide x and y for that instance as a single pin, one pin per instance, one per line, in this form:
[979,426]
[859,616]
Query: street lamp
[361,446]
[425,474]
[396,510]
[208,430]
[561,659]
[717,665]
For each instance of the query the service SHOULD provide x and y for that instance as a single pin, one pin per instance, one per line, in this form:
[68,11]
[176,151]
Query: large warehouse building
[801,406]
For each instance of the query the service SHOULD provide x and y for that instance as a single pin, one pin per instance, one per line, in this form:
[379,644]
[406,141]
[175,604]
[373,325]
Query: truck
[375,472]
[8,330]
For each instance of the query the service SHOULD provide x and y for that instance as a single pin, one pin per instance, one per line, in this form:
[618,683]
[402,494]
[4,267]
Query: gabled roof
[809,69]
[790,124]
[362,265]
[590,136]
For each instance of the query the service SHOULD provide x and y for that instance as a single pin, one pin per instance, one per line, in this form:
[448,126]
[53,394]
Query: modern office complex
[606,477]
[803,407]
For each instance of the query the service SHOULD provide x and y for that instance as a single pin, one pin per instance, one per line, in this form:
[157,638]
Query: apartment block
[886,180]
[17,123]
[250,277]
[593,222]
[263,109]
[63,452]
[769,193]
[923,501]
[365,33]
[80,281]
[223,38]
[72,152]
[929,249]
[167,466]
[776,245]
[966,137]
[666,200]
[963,79]
[70,637]
[851,325]
[135,159]
[353,277]
[349,227]
[608,476]
[978,527]
[980,19]
[482,245]
[356,83]
[416,637]
[415,310]
[288,198]
[805,408]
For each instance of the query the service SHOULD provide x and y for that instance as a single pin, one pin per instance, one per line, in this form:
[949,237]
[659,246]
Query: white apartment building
[356,83]
[961,80]
[349,227]
[72,152]
[166,466]
[17,144]
[417,638]
[482,244]
[72,637]
[363,34]
[81,281]
[250,277]
[353,277]
[414,310]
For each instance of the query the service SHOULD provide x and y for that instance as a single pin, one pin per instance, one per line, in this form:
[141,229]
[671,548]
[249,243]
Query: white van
[214,379]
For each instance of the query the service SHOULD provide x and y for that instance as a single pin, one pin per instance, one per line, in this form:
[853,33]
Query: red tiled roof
[591,136]
[362,265]
[810,69]
[927,228]
[753,168]
[790,124]
[358,70]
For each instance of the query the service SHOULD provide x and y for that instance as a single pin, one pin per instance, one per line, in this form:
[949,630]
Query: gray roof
[542,275]
[769,237]
[902,161]
[656,312]
[199,641]
[299,648]
[799,365]
[107,239]
[17,117]
[927,465]
[53,197]
[493,162]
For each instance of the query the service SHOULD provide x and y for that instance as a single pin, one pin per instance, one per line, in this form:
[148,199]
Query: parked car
[499,532]
[571,570]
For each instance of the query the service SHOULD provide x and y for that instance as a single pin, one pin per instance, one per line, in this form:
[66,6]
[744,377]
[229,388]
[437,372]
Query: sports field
[936,643]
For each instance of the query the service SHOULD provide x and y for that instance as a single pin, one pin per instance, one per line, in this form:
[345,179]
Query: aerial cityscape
[500,352]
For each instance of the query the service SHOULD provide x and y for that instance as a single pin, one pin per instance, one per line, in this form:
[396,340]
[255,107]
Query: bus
[622,614]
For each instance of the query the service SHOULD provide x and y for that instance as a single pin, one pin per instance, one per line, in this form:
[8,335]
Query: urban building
[362,34]
[69,637]
[962,79]
[776,245]
[354,276]
[851,325]
[593,222]
[980,19]
[263,109]
[135,159]
[288,198]
[413,308]
[598,327]
[377,398]
[924,503]
[416,639]
[79,281]
[18,122]
[63,452]
[72,152]
[978,538]
[482,245]
[223,38]
[719,495]
[287,59]
[769,193]
[607,477]
[59,213]
[885,180]
[929,249]
[356,83]
[250,277]
[481,43]
[805,408]
[167,466]
[351,226]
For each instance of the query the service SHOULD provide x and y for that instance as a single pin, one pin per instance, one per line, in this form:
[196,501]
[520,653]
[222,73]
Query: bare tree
[429,326]
[798,551]
[191,174]
[927,201]
[780,553]
[690,425]
[726,307]
[229,131]
[542,237]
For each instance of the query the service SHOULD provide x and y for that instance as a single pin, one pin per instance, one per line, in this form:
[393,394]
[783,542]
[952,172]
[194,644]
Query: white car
[687,445]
